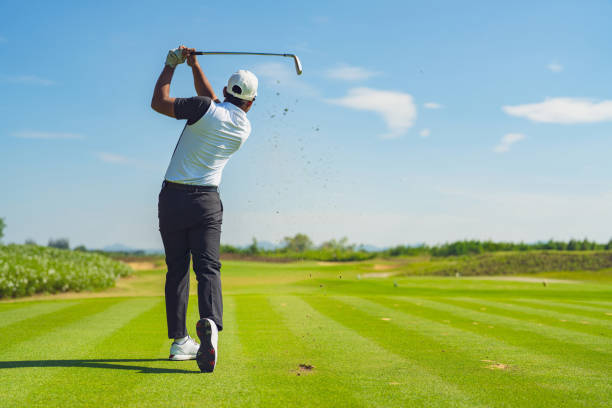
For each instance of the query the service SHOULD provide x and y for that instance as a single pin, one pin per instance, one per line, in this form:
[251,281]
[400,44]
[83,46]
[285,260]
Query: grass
[411,341]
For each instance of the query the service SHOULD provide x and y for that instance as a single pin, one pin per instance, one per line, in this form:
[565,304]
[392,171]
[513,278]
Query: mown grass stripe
[596,303]
[12,315]
[455,359]
[21,331]
[358,364]
[570,307]
[275,355]
[110,367]
[514,319]
[36,360]
[550,316]
[528,346]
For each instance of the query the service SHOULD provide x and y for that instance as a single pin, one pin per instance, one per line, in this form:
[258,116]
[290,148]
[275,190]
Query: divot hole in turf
[304,369]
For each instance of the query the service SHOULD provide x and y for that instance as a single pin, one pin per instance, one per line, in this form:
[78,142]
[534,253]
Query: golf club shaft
[296,60]
[240,53]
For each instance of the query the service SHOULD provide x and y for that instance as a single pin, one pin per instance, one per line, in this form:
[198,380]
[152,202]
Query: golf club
[296,60]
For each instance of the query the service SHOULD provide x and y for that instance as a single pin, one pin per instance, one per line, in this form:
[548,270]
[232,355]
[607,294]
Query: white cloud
[432,105]
[425,133]
[507,141]
[564,111]
[349,73]
[27,79]
[555,67]
[396,108]
[113,158]
[28,134]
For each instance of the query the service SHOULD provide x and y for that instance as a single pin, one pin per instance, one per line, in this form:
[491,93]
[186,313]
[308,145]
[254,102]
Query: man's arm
[162,102]
[202,86]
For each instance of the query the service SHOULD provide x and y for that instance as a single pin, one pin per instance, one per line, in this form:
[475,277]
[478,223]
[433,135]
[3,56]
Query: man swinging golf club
[190,210]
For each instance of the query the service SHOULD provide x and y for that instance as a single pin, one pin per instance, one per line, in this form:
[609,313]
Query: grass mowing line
[510,318]
[533,352]
[12,315]
[20,365]
[372,373]
[456,359]
[546,316]
[103,373]
[571,308]
[580,320]
[602,304]
[275,355]
[13,334]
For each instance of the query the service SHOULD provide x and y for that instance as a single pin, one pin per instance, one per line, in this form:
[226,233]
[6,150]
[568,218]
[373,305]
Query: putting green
[308,334]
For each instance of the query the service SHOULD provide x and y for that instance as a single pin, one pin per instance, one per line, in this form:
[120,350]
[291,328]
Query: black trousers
[190,227]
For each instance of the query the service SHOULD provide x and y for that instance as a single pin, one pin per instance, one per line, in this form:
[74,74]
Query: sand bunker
[376,275]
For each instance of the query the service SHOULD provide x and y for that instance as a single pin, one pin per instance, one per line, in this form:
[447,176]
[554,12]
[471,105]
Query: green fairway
[308,334]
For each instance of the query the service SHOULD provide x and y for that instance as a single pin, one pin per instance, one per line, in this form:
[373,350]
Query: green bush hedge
[29,269]
[511,263]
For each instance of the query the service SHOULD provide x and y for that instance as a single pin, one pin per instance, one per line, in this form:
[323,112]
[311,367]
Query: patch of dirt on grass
[304,369]
[143,266]
[384,267]
[495,365]
[376,275]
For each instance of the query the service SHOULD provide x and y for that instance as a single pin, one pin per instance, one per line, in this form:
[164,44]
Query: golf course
[320,334]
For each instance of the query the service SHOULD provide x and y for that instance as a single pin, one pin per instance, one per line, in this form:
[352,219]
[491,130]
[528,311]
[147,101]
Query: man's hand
[190,56]
[176,56]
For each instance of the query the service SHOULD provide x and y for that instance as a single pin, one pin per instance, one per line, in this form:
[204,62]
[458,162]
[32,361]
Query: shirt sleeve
[191,109]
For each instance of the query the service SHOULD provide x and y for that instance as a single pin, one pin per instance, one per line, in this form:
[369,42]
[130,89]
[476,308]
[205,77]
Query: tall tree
[298,243]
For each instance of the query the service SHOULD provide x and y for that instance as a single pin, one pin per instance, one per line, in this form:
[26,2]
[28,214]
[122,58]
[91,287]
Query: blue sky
[413,122]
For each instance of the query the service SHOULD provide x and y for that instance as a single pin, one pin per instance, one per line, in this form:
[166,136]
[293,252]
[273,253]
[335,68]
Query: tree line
[300,246]
[343,250]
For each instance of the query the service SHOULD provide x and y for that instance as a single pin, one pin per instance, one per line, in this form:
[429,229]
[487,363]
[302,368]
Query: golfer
[190,210]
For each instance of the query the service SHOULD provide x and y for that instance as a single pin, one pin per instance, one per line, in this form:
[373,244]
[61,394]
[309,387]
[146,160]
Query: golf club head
[298,65]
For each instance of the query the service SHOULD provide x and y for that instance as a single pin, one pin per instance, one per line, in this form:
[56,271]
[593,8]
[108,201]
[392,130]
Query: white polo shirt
[208,140]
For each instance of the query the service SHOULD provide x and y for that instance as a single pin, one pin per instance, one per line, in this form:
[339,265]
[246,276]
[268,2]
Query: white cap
[246,82]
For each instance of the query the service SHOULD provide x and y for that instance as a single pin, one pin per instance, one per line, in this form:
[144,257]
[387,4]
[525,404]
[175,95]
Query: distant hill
[118,247]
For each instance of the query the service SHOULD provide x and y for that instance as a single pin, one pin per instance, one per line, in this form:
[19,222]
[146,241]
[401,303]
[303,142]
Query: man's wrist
[195,65]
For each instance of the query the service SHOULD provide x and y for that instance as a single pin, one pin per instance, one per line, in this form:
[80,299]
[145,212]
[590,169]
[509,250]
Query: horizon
[447,122]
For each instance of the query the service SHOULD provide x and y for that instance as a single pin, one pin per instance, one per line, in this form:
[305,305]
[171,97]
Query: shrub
[27,269]
[2,226]
[60,243]
[511,263]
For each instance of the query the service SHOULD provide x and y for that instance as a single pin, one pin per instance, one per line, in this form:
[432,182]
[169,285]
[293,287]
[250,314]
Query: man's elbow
[155,105]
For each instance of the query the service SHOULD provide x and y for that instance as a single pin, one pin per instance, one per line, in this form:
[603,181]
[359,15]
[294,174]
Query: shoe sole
[181,357]
[207,354]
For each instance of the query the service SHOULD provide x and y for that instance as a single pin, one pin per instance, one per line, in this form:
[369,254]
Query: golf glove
[175,57]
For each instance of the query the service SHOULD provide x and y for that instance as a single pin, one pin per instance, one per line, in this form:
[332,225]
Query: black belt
[188,187]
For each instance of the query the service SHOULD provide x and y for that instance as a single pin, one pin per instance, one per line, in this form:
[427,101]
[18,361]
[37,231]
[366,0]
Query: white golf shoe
[207,355]
[186,351]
